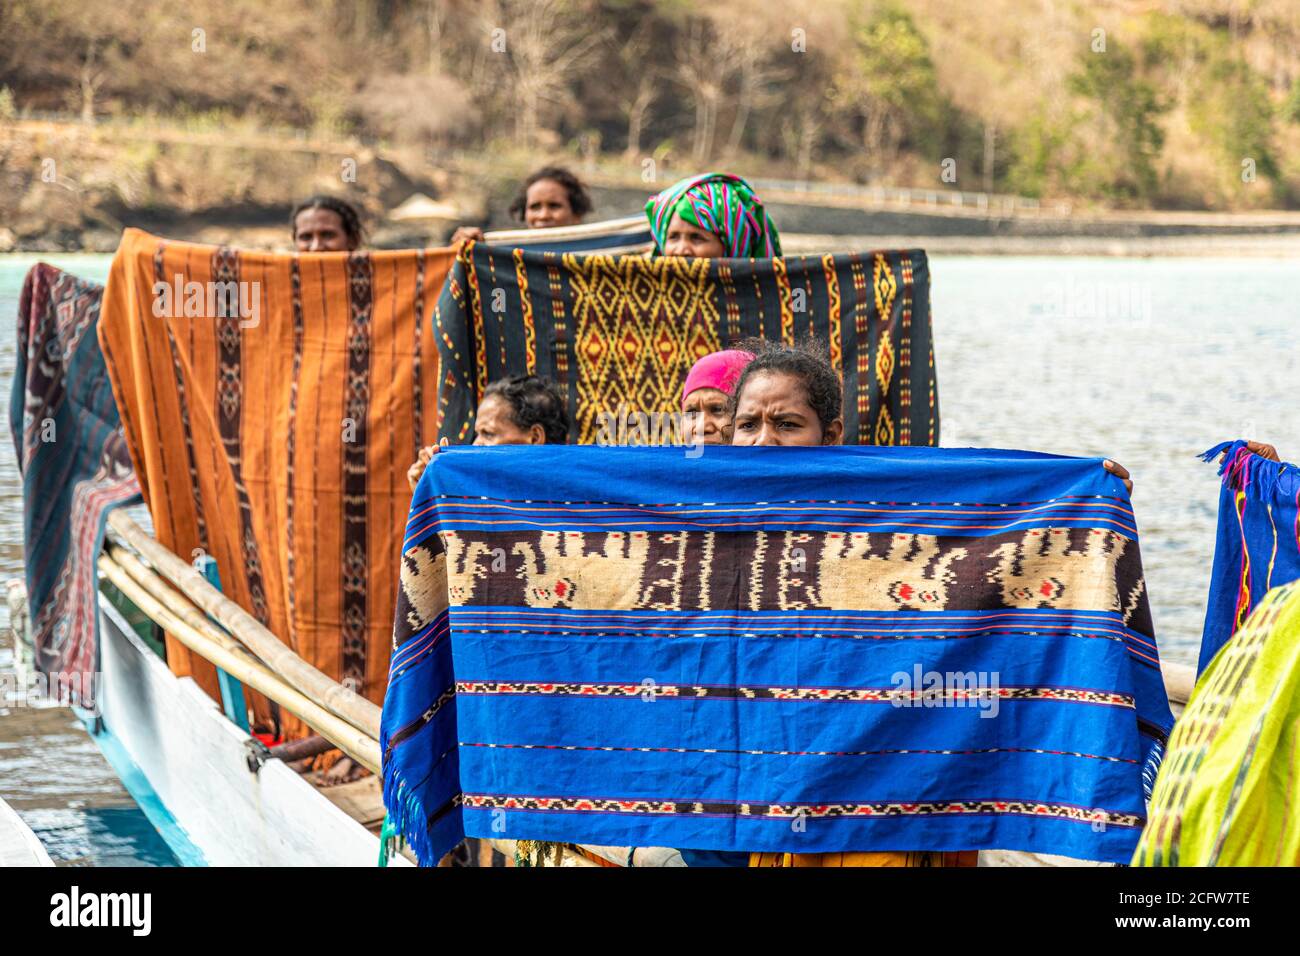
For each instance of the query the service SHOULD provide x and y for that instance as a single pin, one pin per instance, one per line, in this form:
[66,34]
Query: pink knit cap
[720,370]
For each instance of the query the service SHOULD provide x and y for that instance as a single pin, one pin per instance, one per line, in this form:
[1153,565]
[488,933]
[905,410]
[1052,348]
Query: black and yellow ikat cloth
[621,332]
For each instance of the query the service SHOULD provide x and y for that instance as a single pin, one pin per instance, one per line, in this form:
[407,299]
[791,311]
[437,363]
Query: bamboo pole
[174,601]
[236,661]
[277,655]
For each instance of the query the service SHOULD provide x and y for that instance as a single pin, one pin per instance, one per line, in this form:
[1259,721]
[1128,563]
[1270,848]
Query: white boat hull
[18,844]
[196,762]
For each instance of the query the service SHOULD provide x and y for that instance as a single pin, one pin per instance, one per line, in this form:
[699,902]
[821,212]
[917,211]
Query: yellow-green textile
[1228,793]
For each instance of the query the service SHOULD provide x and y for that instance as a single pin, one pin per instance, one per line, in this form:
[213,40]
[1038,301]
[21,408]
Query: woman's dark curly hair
[805,360]
[533,401]
[579,198]
[346,212]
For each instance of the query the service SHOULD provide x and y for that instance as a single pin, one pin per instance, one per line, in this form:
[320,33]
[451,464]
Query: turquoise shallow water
[55,777]
[1147,361]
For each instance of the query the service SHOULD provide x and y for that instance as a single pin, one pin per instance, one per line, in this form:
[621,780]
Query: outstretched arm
[1263,450]
[1119,471]
[417,469]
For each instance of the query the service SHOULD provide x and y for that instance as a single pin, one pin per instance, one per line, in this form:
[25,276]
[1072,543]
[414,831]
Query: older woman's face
[320,230]
[546,204]
[687,239]
[774,409]
[706,417]
[495,425]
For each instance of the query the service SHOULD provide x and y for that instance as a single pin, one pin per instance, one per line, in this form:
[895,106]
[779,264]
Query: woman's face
[320,230]
[773,409]
[495,425]
[706,417]
[687,239]
[546,204]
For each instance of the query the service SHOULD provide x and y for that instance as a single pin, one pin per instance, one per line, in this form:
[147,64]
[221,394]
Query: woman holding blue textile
[711,216]
[522,410]
[790,395]
[706,397]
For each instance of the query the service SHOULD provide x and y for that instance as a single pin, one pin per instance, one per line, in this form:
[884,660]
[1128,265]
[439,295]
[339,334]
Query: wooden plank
[196,761]
[362,800]
[187,624]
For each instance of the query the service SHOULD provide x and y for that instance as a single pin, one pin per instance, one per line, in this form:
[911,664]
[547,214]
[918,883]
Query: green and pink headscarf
[723,204]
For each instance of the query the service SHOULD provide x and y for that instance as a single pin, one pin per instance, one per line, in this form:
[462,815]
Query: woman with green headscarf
[713,215]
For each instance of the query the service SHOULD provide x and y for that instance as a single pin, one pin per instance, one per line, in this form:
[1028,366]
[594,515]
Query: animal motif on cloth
[1046,569]
[626,660]
[913,574]
[465,570]
[424,583]
[561,572]
[622,332]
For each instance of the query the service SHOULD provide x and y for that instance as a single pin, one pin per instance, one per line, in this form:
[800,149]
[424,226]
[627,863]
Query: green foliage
[890,81]
[1125,111]
[1037,148]
[877,89]
[1291,109]
[1232,110]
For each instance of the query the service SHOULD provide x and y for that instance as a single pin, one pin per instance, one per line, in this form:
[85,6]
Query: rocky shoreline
[69,188]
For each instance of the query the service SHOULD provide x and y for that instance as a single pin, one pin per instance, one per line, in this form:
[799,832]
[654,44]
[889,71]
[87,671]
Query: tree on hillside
[546,43]
[1233,110]
[78,46]
[641,79]
[889,82]
[752,34]
[705,62]
[1125,109]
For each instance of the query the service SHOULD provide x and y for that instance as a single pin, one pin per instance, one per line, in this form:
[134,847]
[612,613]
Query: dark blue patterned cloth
[1258,545]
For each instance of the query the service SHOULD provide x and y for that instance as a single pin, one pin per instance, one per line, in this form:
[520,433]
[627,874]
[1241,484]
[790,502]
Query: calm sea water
[1147,361]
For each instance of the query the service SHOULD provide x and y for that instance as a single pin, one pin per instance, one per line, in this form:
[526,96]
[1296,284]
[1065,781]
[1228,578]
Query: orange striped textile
[272,404]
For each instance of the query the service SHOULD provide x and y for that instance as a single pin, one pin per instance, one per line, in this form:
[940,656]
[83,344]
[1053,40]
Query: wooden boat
[18,844]
[213,791]
[210,788]
[216,794]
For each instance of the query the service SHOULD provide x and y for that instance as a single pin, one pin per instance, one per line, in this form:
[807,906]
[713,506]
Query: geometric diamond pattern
[884,362]
[638,331]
